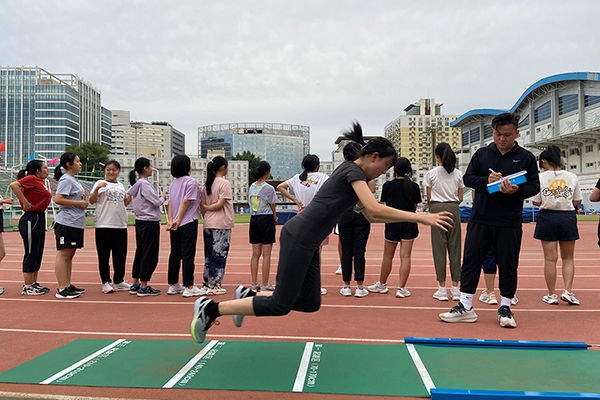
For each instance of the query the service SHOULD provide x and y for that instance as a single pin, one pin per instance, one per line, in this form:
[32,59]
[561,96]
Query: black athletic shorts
[262,229]
[68,237]
[398,231]
[553,225]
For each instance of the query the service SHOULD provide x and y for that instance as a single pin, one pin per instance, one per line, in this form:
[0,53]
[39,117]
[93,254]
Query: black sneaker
[240,293]
[76,289]
[40,287]
[147,291]
[67,293]
[32,291]
[202,321]
[505,317]
[133,289]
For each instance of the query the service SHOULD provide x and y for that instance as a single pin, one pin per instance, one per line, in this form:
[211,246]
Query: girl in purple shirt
[146,206]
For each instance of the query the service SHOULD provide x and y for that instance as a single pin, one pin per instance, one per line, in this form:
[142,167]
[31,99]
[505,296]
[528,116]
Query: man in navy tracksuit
[496,218]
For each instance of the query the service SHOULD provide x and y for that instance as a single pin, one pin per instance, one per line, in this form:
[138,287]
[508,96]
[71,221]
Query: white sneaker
[217,289]
[346,291]
[378,287]
[455,294]
[361,292]
[339,270]
[323,291]
[458,313]
[441,294]
[194,291]
[175,289]
[121,287]
[402,292]
[107,288]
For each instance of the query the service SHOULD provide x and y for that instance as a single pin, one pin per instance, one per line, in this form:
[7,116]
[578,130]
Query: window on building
[567,103]
[524,122]
[590,100]
[465,138]
[589,149]
[487,132]
[543,112]
[589,165]
[573,166]
[475,135]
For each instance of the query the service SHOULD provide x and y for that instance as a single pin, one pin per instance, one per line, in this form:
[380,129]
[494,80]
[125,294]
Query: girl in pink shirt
[217,209]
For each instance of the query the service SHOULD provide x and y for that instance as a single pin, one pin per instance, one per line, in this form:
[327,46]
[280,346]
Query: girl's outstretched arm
[375,212]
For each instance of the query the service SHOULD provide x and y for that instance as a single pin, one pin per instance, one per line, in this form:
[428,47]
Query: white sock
[443,288]
[505,301]
[454,288]
[467,300]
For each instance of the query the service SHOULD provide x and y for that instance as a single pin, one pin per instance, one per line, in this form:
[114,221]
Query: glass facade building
[282,145]
[42,113]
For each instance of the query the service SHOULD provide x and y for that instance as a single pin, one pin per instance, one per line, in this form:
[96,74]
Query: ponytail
[138,167]
[261,169]
[552,157]
[310,163]
[404,169]
[211,171]
[66,158]
[32,167]
[447,156]
[378,145]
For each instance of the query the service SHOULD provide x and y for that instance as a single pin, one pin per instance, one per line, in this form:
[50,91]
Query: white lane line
[77,364]
[303,368]
[177,377]
[427,381]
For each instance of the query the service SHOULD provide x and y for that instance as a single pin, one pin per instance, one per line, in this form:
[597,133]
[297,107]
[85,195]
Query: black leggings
[298,284]
[147,239]
[32,227]
[111,240]
[354,234]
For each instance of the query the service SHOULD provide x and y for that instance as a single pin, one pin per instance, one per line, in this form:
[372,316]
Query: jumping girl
[217,209]
[262,200]
[30,189]
[182,223]
[444,185]
[305,186]
[110,221]
[146,207]
[557,223]
[403,194]
[69,222]
[298,274]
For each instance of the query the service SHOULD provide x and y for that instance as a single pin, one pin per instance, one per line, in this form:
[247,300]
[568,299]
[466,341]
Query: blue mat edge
[529,344]
[461,394]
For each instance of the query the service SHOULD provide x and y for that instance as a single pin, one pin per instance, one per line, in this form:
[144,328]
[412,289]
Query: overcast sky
[316,63]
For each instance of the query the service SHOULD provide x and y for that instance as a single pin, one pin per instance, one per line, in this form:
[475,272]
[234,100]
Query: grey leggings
[298,284]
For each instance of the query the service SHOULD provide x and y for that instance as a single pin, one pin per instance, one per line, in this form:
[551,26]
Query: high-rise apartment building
[42,113]
[282,145]
[416,134]
[157,139]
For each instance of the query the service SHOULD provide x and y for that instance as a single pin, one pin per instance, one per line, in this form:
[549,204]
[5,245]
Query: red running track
[31,326]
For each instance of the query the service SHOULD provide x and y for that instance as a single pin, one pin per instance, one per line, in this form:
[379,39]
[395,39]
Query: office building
[157,139]
[282,145]
[415,134]
[41,113]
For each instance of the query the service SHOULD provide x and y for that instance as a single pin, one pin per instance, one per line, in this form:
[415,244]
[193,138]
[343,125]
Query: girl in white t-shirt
[217,209]
[557,222]
[110,220]
[444,186]
[305,186]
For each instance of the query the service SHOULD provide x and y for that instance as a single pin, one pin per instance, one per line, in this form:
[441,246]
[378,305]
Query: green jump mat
[360,369]
[502,369]
[228,365]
